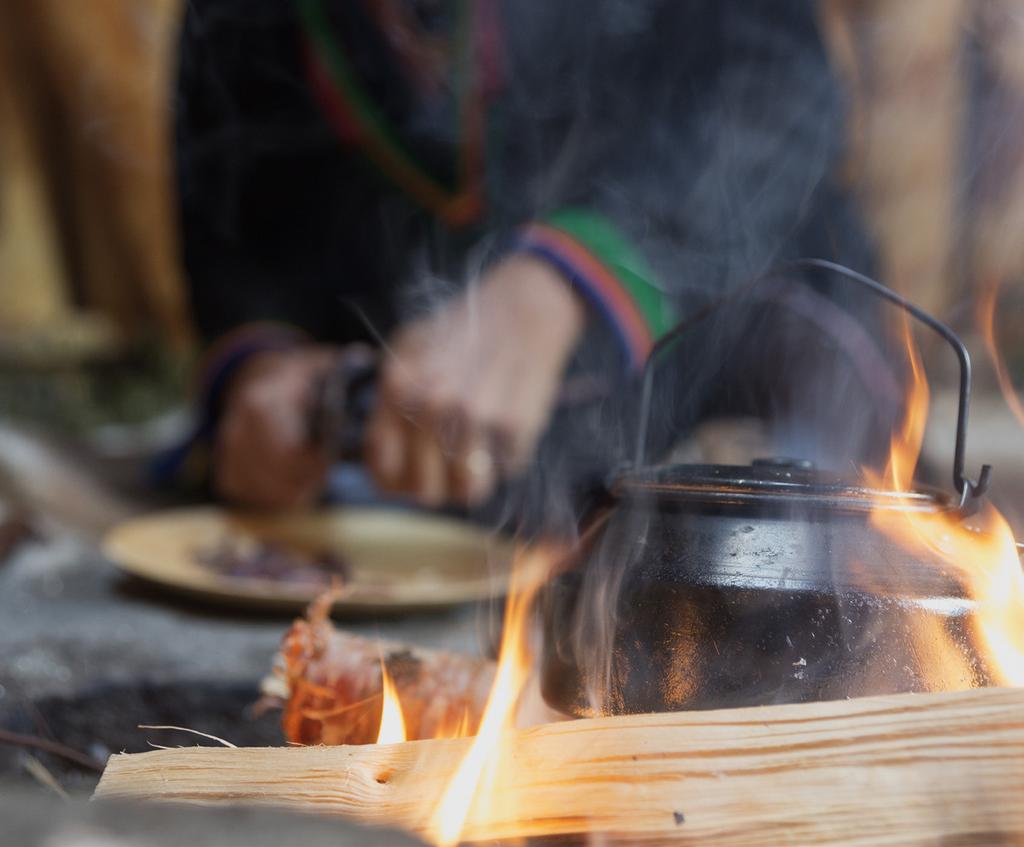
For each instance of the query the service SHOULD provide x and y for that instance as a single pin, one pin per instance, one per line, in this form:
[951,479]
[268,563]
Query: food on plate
[248,558]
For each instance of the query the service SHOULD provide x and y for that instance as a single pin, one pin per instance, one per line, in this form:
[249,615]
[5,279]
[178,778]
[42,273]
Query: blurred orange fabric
[86,201]
[907,66]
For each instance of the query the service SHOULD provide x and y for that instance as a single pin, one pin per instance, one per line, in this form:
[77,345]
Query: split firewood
[903,769]
[329,684]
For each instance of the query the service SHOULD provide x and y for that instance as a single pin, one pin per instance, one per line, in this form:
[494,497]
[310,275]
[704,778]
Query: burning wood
[907,769]
[330,684]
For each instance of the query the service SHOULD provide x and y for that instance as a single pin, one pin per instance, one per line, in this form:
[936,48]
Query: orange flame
[985,559]
[455,728]
[392,722]
[982,555]
[987,325]
[470,790]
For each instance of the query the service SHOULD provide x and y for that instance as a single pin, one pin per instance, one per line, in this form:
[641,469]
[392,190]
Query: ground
[87,654]
[33,820]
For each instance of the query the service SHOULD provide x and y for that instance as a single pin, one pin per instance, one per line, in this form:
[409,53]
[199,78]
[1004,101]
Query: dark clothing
[657,152]
[704,131]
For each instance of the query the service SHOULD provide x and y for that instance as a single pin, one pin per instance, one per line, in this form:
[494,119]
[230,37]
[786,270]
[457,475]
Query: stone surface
[87,654]
[32,820]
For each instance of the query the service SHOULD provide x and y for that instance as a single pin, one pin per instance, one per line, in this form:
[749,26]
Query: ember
[337,688]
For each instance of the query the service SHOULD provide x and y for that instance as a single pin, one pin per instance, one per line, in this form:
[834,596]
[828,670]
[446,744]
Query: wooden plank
[903,769]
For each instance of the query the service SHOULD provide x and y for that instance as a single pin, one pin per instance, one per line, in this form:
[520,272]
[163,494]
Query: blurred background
[96,341]
[98,349]
[94,328]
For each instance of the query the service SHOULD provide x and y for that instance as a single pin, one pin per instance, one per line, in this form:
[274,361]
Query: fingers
[262,458]
[467,392]
[428,468]
[258,486]
[449,433]
[385,446]
[474,471]
[409,441]
[262,463]
[434,443]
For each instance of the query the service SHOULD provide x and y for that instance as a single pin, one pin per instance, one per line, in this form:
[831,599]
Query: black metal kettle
[708,586]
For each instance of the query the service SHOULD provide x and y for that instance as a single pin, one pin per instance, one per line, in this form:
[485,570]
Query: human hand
[466,392]
[263,455]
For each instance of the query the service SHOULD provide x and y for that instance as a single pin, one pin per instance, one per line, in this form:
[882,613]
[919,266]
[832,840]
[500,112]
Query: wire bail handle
[969,490]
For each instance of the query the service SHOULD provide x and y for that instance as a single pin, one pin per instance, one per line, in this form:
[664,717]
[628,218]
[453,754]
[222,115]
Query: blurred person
[496,193]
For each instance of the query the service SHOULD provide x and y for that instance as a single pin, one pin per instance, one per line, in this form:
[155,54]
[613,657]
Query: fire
[469,793]
[984,556]
[456,729]
[470,788]
[981,552]
[392,722]
[987,325]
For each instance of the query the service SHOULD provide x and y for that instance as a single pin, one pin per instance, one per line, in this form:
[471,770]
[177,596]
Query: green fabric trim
[607,243]
[375,128]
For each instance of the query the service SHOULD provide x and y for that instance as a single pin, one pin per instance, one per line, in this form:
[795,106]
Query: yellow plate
[399,560]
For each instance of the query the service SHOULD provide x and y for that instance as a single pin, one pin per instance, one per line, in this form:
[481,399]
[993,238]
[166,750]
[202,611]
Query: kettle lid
[772,483]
